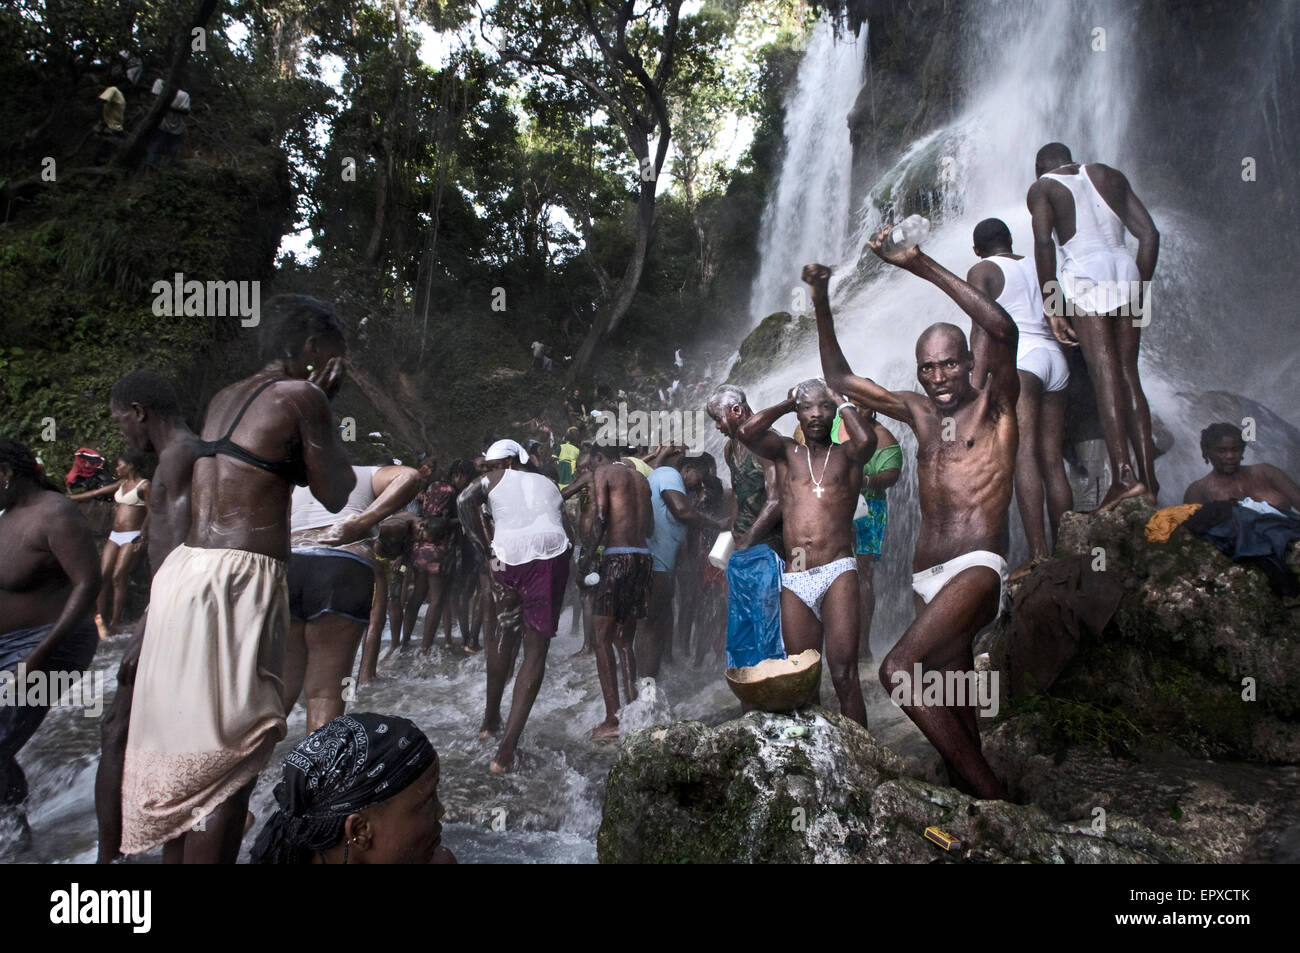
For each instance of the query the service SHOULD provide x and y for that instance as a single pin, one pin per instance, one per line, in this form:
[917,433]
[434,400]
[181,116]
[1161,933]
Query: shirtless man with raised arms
[966,453]
[819,492]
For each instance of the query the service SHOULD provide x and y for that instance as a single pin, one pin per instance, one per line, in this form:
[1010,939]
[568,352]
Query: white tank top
[1097,272]
[526,518]
[1022,298]
[307,512]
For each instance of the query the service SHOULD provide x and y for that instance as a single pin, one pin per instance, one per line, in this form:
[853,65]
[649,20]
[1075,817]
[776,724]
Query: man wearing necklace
[966,437]
[819,484]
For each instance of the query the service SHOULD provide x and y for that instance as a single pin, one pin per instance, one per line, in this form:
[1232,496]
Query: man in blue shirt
[673,511]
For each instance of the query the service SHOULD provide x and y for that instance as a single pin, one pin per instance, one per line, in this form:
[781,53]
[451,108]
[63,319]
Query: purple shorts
[540,584]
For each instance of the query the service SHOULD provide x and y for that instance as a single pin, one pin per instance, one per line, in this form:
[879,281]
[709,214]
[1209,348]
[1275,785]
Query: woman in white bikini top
[131,493]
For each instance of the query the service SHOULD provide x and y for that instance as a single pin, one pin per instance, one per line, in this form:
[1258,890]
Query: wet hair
[1053,155]
[23,462]
[804,388]
[694,463]
[461,466]
[608,451]
[1216,432]
[150,390]
[723,399]
[289,320]
[710,464]
[990,235]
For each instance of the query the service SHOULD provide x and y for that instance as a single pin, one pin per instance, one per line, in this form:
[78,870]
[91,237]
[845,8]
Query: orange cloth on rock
[1163,522]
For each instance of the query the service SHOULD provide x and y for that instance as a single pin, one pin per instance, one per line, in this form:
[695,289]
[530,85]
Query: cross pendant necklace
[817,484]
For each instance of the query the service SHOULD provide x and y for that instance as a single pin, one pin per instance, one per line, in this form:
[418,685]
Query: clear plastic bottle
[910,231]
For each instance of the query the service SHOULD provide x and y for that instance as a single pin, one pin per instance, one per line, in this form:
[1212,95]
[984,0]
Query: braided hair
[23,462]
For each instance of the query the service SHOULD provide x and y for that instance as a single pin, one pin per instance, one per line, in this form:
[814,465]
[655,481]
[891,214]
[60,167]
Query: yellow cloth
[207,711]
[114,112]
[1163,522]
[642,467]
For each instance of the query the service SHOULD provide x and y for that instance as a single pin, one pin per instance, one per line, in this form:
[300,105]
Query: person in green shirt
[879,474]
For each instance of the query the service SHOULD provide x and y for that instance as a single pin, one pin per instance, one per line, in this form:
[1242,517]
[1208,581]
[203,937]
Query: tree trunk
[129,155]
[608,319]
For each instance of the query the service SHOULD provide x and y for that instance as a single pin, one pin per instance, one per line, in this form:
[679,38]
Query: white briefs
[1047,363]
[928,582]
[124,537]
[810,585]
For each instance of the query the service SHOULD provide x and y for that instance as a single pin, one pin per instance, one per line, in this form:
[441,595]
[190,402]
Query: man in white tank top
[1012,281]
[1082,211]
[529,557]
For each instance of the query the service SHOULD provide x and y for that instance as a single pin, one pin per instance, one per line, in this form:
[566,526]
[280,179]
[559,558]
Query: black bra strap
[240,416]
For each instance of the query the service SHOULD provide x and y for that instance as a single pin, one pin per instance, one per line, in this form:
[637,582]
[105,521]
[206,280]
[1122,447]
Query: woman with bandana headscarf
[363,789]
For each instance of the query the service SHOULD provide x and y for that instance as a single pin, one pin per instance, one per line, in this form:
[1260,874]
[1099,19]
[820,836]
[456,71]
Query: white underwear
[1047,363]
[928,582]
[810,585]
[122,538]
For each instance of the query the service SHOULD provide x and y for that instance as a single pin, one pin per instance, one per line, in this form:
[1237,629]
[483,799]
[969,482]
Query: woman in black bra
[208,708]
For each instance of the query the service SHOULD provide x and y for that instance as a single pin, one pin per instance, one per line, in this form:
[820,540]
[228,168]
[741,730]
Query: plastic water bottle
[910,231]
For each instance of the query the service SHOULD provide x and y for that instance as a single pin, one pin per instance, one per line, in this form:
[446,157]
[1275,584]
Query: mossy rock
[1200,655]
[815,787]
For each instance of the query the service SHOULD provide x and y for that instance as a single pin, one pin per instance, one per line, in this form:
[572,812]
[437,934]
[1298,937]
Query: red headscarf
[86,463]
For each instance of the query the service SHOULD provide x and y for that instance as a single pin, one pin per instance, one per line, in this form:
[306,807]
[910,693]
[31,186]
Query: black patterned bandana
[352,763]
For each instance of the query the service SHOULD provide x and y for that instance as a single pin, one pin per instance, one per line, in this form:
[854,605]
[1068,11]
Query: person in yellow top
[567,456]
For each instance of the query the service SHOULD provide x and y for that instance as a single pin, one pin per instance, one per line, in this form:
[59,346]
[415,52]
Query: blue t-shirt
[669,531]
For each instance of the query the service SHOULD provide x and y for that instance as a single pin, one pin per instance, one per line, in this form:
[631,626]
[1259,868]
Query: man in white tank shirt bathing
[1012,281]
[965,456]
[529,557]
[1082,211]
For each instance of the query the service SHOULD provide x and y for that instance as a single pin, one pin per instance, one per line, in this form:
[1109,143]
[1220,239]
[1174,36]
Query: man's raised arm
[835,367]
[983,311]
[757,434]
[860,442]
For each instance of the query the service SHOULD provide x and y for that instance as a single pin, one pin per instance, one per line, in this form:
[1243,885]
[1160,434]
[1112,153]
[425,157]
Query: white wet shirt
[526,516]
[307,512]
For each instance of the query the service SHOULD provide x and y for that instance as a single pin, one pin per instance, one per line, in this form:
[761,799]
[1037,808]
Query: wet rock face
[1195,639]
[777,338]
[813,786]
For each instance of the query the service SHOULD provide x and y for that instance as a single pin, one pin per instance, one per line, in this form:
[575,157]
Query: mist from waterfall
[1037,71]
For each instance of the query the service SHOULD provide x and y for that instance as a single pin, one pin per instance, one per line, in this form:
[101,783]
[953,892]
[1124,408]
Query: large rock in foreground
[814,787]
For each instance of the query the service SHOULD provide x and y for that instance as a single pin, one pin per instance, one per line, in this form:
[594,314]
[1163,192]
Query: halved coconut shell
[777,684]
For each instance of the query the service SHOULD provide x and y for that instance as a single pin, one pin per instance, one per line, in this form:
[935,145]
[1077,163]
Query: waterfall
[807,216]
[1036,71]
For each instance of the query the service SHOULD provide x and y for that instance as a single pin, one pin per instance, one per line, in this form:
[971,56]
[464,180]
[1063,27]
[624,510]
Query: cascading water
[1034,77]
[807,216]
[1037,71]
